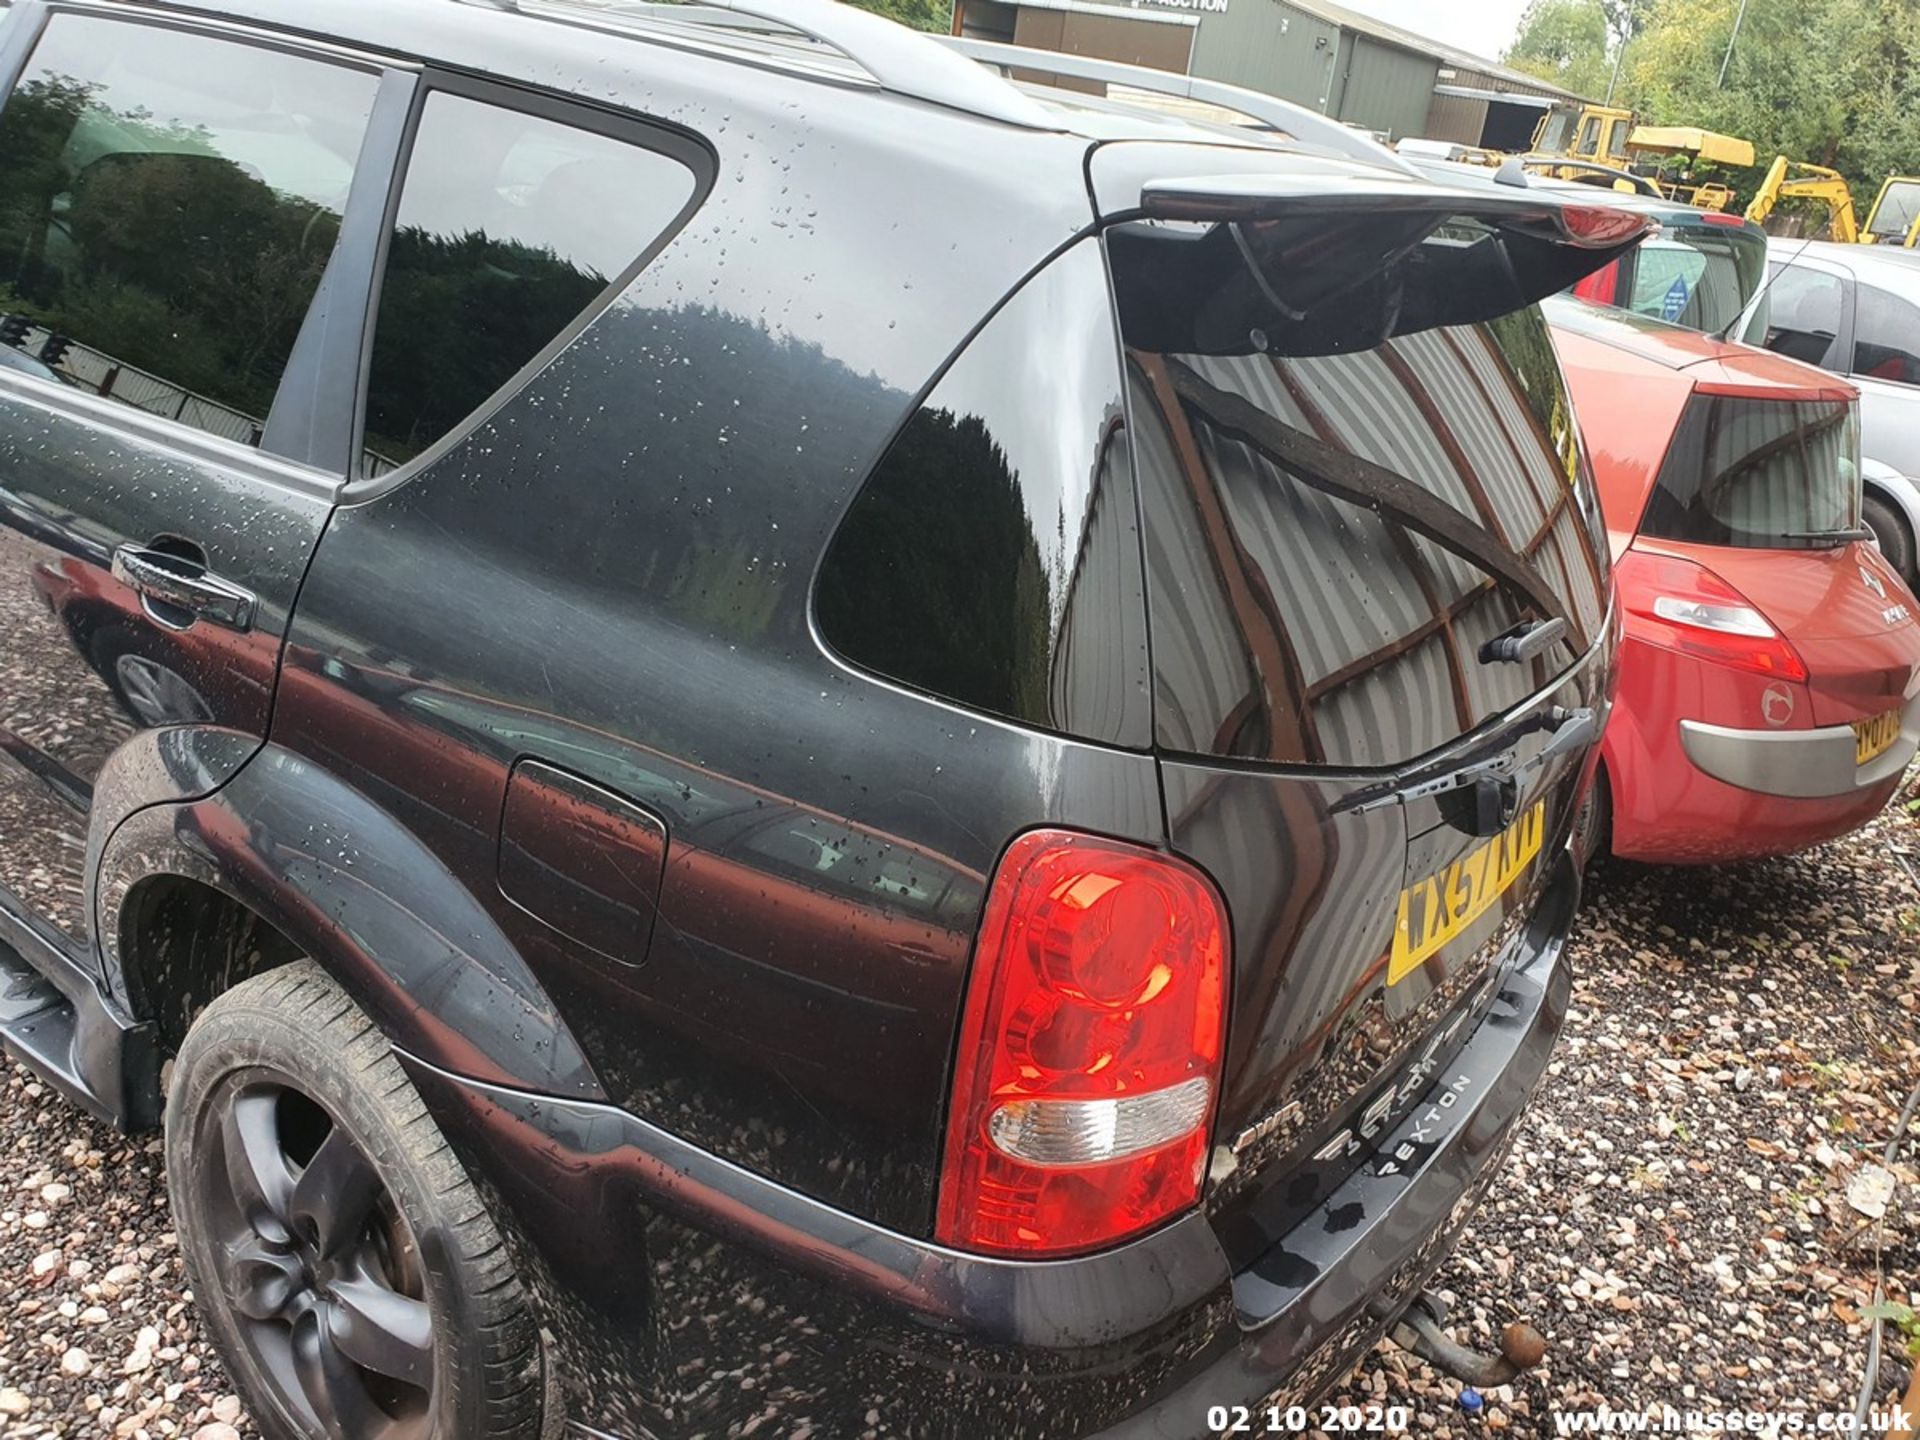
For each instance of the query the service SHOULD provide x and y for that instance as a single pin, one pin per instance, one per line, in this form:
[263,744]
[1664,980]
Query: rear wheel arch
[285,862]
[182,943]
[1901,551]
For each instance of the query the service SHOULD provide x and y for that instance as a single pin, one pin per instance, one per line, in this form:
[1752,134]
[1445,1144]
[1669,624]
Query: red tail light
[1679,605]
[1089,1051]
[1601,286]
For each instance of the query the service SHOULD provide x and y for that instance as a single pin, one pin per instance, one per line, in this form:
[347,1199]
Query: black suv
[745,730]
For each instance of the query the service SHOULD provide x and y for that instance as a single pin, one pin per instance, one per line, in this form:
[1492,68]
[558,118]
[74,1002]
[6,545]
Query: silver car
[1855,310]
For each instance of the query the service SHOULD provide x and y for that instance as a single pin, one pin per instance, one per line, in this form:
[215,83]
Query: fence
[90,369]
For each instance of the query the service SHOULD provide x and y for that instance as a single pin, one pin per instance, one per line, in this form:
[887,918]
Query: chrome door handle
[173,583]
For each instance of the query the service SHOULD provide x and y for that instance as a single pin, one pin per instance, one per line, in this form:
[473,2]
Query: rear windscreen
[1698,278]
[1759,474]
[1333,538]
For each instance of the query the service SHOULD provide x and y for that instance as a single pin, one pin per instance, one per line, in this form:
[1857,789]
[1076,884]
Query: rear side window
[1803,320]
[1886,336]
[168,204]
[510,226]
[1760,474]
[992,558]
[1332,538]
[1699,278]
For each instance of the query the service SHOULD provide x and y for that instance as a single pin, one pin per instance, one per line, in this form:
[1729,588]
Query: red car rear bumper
[1689,790]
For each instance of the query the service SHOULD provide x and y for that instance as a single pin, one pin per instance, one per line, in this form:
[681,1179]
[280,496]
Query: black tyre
[1890,533]
[340,1255]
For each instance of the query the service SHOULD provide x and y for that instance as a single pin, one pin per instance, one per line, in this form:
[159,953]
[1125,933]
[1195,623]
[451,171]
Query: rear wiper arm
[1857,532]
[1496,779]
[1524,641]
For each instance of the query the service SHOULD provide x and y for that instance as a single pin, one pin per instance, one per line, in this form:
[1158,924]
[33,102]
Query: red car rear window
[1759,474]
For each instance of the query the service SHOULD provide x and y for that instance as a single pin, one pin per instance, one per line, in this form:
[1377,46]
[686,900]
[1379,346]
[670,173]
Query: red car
[1770,676]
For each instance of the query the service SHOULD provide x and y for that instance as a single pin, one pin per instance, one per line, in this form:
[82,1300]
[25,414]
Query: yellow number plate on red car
[1434,910]
[1873,738]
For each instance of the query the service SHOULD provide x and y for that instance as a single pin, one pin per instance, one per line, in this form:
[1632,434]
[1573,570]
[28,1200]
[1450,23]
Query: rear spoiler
[1322,258]
[1284,197]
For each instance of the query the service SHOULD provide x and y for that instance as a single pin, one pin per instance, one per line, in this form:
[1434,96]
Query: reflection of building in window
[1100,597]
[1758,472]
[1347,532]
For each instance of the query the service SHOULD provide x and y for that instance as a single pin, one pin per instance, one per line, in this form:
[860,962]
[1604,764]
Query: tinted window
[510,226]
[1767,474]
[1804,315]
[1886,335]
[168,203]
[992,559]
[1331,539]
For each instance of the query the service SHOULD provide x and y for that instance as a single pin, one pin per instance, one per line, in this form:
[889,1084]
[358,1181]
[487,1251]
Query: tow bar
[1421,1329]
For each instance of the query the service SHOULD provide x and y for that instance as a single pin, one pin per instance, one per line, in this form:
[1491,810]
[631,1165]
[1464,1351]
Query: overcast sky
[1483,26]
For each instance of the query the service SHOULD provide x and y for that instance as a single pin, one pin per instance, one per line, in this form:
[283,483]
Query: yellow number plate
[1872,738]
[1436,909]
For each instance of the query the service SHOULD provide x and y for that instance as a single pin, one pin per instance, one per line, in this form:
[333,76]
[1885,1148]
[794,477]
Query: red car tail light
[1089,1059]
[1680,605]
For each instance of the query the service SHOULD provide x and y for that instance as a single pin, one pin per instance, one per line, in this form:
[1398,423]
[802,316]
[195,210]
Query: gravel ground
[1676,1217]
[1675,1220]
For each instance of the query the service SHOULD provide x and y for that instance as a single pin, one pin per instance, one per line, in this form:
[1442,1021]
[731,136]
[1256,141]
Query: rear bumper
[1797,764]
[1312,1307]
[688,1294]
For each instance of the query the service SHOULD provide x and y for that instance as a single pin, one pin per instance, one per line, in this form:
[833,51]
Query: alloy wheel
[318,1266]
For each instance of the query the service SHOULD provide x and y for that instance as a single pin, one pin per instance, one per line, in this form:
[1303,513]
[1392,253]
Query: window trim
[622,126]
[316,407]
[223,28]
[20,37]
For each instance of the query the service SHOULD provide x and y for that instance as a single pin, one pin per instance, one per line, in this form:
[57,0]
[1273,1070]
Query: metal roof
[1420,44]
[1889,264]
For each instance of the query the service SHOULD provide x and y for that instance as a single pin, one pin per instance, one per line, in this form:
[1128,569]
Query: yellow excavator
[1588,142]
[1894,219]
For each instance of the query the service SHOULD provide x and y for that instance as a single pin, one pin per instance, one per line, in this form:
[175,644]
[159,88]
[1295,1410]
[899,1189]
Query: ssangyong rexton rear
[856,752]
[1221,1098]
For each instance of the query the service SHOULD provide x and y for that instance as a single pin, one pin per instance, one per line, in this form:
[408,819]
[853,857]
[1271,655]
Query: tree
[933,15]
[1564,42]
[1836,82]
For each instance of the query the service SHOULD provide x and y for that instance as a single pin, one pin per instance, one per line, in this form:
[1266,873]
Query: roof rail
[901,61]
[1293,120]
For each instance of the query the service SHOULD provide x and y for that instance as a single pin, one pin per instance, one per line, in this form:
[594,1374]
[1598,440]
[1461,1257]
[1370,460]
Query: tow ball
[1421,1329]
